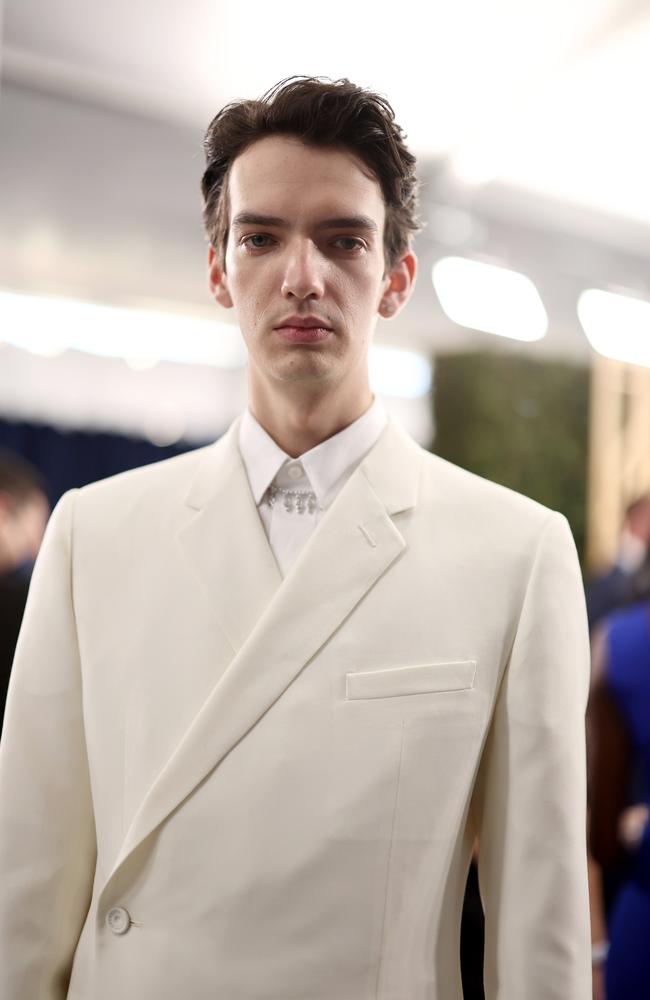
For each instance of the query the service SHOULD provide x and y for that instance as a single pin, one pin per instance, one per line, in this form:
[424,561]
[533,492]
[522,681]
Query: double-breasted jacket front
[222,784]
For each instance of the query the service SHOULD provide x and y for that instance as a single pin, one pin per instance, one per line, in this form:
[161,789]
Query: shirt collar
[327,465]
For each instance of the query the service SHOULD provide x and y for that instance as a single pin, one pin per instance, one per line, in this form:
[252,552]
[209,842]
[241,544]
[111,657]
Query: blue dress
[627,972]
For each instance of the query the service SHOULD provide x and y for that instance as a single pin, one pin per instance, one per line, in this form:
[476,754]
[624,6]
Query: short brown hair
[319,112]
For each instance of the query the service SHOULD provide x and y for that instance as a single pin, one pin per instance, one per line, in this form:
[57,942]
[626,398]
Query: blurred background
[524,354]
[527,120]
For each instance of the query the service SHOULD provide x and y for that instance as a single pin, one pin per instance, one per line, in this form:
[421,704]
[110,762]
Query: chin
[305,370]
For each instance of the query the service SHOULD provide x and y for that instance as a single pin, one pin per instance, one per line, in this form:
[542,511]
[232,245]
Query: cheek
[252,282]
[250,297]
[358,289]
[368,282]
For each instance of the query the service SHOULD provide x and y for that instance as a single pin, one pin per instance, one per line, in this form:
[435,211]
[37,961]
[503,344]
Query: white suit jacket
[222,785]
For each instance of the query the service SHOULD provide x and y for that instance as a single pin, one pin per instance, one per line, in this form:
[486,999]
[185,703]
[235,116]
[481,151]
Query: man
[24,510]
[267,694]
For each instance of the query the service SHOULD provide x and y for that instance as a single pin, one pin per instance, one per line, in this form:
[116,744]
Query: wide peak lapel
[224,542]
[393,468]
[353,546]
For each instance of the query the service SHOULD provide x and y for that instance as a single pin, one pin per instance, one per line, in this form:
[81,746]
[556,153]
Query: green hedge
[518,422]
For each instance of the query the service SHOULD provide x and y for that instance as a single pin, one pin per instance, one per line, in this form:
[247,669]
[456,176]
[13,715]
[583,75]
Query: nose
[303,276]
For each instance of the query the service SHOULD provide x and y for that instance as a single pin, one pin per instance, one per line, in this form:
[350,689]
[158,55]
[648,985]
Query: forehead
[280,175]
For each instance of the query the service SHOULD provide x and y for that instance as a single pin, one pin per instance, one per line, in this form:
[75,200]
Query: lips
[303,329]
[302,334]
[304,322]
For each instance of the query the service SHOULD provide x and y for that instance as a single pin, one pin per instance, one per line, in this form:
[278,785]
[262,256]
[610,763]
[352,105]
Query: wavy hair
[319,112]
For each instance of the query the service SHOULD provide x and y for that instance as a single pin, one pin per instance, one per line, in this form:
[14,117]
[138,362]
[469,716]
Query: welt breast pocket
[381,717]
[397,682]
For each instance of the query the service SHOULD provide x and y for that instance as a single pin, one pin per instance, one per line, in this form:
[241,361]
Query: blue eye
[255,236]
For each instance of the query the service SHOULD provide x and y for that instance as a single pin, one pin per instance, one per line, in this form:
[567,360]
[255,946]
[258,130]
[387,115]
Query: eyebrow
[342,222]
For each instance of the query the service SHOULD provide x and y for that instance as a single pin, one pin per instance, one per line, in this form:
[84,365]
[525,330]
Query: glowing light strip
[617,326]
[48,326]
[489,298]
[395,372]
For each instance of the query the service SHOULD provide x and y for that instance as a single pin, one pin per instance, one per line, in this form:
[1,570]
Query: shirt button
[295,472]
[118,920]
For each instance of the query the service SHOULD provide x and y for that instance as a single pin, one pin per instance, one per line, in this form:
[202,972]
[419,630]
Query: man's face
[288,257]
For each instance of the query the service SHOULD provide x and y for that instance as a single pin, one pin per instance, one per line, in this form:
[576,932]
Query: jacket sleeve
[530,797]
[47,835]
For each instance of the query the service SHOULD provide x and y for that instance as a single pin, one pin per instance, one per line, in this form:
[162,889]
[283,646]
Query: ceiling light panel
[489,298]
[617,326]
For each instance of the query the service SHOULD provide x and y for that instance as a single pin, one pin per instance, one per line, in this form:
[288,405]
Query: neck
[298,422]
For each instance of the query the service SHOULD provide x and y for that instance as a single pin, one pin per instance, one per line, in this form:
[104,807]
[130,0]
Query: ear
[398,285]
[217,280]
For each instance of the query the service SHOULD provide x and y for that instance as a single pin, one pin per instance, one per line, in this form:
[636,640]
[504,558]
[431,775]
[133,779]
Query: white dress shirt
[323,470]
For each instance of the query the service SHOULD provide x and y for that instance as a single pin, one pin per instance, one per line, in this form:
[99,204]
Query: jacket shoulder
[147,494]
[155,476]
[473,498]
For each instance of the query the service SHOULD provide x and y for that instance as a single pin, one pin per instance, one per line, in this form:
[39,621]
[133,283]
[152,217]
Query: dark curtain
[73,458]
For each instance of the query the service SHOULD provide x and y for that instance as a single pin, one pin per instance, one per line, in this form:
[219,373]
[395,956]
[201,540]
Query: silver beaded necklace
[293,500]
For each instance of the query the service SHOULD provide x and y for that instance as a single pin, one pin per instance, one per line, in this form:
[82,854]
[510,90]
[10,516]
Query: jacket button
[118,920]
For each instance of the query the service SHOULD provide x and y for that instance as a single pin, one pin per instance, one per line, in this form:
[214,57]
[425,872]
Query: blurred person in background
[24,510]
[626,582]
[628,579]
[268,694]
[619,792]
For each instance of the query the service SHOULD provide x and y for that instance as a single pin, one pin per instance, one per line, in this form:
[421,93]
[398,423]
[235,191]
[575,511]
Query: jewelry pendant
[297,501]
